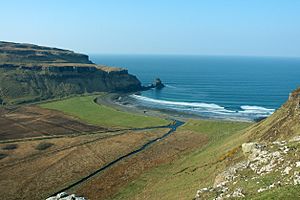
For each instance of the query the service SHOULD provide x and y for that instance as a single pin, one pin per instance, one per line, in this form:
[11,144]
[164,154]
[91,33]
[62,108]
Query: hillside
[283,124]
[30,72]
[266,162]
[238,161]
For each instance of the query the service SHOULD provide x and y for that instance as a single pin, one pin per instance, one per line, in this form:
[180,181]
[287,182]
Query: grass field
[32,173]
[87,110]
[181,178]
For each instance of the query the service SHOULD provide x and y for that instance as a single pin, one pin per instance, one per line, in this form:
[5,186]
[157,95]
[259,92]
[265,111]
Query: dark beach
[124,102]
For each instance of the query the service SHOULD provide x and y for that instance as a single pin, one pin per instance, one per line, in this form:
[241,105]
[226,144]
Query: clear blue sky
[206,27]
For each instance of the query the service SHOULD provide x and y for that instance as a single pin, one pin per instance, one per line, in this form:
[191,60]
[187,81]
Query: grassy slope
[85,109]
[286,192]
[181,179]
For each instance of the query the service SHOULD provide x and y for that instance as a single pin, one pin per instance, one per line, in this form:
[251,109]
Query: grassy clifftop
[28,53]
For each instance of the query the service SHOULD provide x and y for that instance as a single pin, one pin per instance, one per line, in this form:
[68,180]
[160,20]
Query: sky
[204,27]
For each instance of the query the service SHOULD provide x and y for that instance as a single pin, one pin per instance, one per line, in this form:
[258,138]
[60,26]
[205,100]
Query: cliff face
[30,72]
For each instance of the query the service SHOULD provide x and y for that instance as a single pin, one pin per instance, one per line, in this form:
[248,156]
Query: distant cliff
[30,72]
[29,53]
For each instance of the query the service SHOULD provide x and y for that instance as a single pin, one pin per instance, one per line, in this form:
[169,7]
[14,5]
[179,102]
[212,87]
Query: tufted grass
[181,178]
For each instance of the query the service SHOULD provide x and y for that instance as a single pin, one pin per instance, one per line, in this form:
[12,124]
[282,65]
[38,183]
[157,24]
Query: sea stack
[158,84]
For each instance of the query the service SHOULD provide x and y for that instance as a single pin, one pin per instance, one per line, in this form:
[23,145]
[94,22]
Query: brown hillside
[282,124]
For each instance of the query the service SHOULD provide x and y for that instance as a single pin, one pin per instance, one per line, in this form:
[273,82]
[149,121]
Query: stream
[173,127]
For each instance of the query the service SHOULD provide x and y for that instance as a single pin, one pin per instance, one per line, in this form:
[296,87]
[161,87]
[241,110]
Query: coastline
[120,102]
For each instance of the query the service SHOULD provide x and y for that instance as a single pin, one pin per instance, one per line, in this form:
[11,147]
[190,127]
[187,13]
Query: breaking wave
[170,86]
[246,112]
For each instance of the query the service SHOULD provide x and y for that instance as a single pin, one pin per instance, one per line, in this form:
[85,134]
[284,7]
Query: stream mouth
[172,128]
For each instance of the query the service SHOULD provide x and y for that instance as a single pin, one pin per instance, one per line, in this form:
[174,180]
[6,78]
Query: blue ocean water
[212,86]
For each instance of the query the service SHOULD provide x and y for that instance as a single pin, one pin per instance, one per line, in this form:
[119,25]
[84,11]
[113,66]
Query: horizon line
[185,54]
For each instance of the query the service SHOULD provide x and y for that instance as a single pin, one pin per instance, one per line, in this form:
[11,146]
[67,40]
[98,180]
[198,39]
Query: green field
[87,110]
[198,167]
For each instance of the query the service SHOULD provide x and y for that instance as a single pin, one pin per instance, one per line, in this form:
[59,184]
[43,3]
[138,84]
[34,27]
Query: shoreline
[116,101]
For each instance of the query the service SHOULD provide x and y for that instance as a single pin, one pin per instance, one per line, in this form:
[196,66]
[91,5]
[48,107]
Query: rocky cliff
[30,72]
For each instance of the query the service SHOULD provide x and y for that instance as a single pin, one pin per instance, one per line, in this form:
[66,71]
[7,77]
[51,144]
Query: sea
[221,87]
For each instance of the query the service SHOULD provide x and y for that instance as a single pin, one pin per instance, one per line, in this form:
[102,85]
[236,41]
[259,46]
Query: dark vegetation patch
[39,122]
[10,147]
[2,155]
[43,146]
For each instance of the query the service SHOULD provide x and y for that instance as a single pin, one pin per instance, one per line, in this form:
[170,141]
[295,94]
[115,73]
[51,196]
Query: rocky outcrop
[66,196]
[30,72]
[157,84]
[267,166]
[269,161]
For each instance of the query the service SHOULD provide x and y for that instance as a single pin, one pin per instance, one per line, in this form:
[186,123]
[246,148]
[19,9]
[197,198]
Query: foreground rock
[267,166]
[65,196]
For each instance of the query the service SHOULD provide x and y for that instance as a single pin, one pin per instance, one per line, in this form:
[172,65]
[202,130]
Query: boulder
[65,196]
[52,198]
[62,195]
[295,139]
[296,178]
[238,193]
[70,197]
[252,150]
[287,170]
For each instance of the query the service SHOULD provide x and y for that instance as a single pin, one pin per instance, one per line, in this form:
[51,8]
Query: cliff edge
[29,72]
